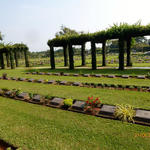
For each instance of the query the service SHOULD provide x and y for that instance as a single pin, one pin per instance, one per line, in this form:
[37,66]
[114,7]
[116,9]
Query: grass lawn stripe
[137,99]
[36,127]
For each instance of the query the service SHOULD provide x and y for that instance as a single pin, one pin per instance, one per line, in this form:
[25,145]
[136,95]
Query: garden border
[91,75]
[88,85]
[47,101]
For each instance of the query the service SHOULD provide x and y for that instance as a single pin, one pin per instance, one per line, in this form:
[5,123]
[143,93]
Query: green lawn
[138,82]
[37,127]
[59,60]
[79,70]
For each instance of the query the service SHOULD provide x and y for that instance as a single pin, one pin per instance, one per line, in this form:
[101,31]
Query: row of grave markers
[89,85]
[91,75]
[142,116]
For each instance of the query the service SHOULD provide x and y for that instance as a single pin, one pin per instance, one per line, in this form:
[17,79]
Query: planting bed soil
[4,145]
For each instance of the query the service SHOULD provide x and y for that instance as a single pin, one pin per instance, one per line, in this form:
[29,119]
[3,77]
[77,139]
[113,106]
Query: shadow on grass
[98,71]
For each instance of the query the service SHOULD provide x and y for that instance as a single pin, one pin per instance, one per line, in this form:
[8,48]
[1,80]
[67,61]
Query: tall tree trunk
[16,58]
[65,55]
[104,53]
[93,53]
[8,59]
[71,59]
[12,64]
[26,58]
[2,60]
[121,54]
[83,54]
[52,57]
[129,62]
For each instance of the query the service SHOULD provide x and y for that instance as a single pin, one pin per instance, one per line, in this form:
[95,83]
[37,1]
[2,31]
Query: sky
[34,22]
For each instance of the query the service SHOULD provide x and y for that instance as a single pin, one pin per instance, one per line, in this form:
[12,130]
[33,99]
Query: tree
[66,31]
[1,37]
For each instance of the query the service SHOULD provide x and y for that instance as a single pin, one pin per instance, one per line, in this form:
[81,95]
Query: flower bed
[92,106]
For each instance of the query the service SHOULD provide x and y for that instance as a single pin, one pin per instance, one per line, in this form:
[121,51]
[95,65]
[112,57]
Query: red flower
[97,98]
[87,102]
[94,101]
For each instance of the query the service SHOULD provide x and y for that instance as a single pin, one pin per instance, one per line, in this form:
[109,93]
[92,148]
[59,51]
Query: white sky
[33,22]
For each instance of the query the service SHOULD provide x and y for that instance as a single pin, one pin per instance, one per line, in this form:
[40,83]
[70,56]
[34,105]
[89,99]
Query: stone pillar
[71,59]
[65,47]
[26,58]
[104,53]
[83,54]
[129,62]
[2,60]
[8,59]
[12,64]
[52,57]
[121,54]
[16,58]
[93,53]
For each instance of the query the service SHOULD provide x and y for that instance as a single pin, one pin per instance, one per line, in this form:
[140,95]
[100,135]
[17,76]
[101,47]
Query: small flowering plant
[92,103]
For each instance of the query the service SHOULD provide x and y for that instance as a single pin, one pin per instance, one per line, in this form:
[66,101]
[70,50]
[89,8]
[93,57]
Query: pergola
[11,52]
[123,32]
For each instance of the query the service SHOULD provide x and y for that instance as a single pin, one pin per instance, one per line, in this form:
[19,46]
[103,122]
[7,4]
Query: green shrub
[37,71]
[1,92]
[148,75]
[17,91]
[48,97]
[31,95]
[5,89]
[115,86]
[4,75]
[131,87]
[46,80]
[124,113]
[68,102]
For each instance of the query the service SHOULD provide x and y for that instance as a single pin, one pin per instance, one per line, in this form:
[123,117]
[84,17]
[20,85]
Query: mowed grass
[133,81]
[43,128]
[137,99]
[59,61]
[80,70]
[37,127]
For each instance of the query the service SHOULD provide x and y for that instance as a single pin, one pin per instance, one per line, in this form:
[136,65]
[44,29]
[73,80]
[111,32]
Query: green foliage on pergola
[11,52]
[122,30]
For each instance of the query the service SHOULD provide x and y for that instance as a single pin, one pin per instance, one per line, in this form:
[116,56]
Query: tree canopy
[66,31]
[1,37]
